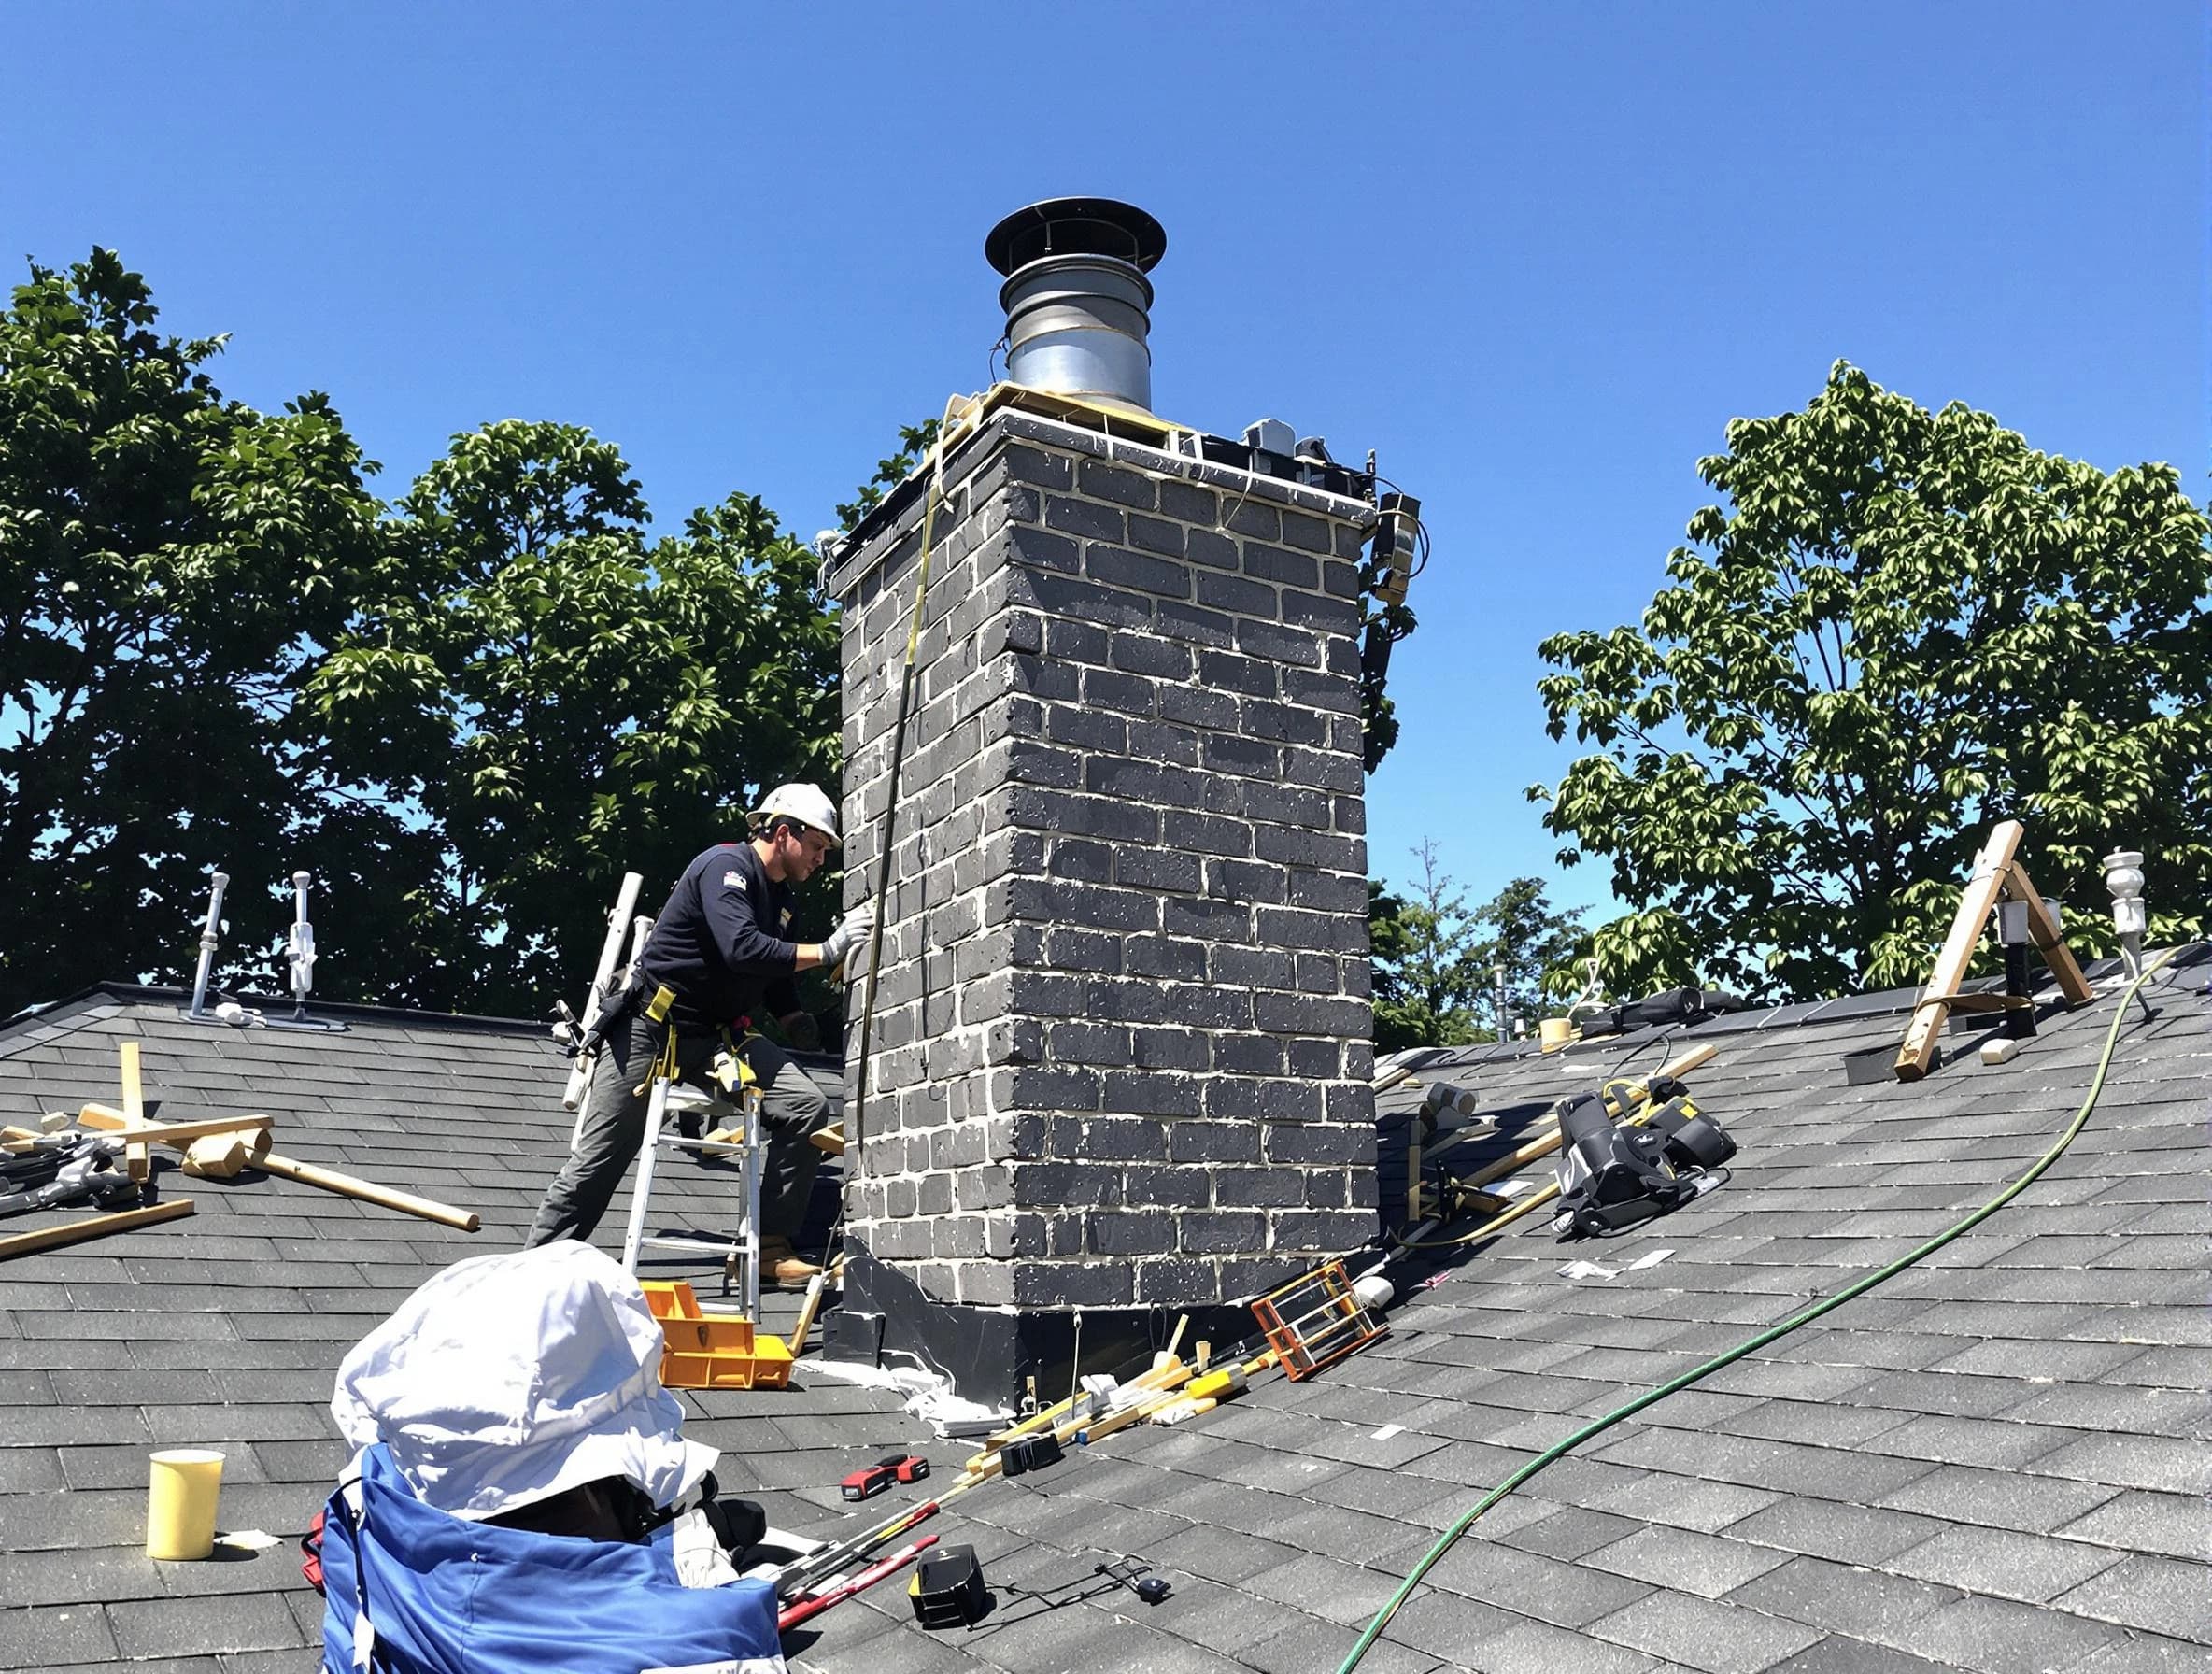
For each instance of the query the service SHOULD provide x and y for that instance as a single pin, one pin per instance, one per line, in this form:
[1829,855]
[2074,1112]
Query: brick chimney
[1121,1052]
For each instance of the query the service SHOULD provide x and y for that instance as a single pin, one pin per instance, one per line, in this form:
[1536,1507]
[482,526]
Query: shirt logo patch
[732,881]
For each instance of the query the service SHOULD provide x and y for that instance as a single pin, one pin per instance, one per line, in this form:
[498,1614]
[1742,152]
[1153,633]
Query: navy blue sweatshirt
[720,942]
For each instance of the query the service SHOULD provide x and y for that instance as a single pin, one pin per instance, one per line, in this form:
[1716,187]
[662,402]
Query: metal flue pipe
[1078,306]
[210,938]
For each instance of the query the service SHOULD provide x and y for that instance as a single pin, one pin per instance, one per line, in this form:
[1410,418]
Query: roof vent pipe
[210,938]
[302,948]
[1078,306]
[2123,876]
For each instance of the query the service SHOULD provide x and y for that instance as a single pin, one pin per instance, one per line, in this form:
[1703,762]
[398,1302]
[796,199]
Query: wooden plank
[1992,868]
[136,1156]
[177,1135]
[99,1226]
[2050,940]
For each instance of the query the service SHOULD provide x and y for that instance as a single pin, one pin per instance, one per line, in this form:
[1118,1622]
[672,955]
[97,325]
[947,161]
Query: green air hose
[1858,1287]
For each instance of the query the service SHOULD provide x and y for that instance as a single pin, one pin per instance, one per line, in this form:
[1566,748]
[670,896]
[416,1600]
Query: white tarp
[507,1379]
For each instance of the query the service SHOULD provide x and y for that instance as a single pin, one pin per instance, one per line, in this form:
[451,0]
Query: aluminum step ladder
[740,1132]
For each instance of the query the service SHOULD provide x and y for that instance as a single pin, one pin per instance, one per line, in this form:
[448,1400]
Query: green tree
[171,563]
[1537,946]
[1426,951]
[1897,628]
[915,442]
[560,700]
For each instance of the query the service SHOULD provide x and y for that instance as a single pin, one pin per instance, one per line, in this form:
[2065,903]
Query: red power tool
[875,1478]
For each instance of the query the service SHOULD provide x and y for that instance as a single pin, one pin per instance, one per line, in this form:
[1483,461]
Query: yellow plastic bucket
[181,1503]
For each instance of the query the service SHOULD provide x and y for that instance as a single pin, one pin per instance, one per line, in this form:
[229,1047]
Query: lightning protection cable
[1827,1305]
[886,832]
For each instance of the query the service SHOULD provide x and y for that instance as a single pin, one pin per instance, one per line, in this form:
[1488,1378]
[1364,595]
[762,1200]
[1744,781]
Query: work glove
[849,934]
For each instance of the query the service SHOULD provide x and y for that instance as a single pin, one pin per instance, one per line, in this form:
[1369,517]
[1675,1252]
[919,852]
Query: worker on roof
[722,946]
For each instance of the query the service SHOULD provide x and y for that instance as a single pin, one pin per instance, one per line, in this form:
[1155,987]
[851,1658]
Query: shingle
[1322,1586]
[1566,1595]
[2036,1359]
[54,1635]
[76,1577]
[1686,1502]
[2163,1594]
[1837,1654]
[1223,1554]
[1995,1443]
[2169,1464]
[2033,1568]
[2003,1638]
[1571,1533]
[1707,1564]
[1844,1599]
[2178,1524]
[1700,1634]
[1998,1499]
[170,1626]
[1826,1529]
[2149,1654]
[1536,1645]
[1309,1646]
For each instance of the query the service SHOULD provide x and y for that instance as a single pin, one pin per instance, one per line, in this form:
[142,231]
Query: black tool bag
[1613,1178]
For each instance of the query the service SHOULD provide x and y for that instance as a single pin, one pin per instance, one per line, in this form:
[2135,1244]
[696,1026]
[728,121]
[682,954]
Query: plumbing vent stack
[303,942]
[210,938]
[2130,917]
[1078,306]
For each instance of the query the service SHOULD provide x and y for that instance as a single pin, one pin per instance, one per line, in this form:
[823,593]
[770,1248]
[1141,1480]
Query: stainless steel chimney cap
[1076,227]
[1078,306]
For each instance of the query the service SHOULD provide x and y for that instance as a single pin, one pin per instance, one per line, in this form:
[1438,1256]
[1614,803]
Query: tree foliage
[561,699]
[170,563]
[1436,959]
[466,715]
[1897,628]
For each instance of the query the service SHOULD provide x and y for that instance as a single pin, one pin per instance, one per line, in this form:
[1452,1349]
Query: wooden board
[1992,868]
[176,1134]
[99,1226]
[138,1157]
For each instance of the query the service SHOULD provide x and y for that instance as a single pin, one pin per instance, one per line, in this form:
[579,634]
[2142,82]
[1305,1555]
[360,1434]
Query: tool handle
[792,1615]
[803,1573]
[384,1197]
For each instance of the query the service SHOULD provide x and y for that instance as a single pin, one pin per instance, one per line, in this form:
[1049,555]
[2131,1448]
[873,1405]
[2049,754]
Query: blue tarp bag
[413,1590]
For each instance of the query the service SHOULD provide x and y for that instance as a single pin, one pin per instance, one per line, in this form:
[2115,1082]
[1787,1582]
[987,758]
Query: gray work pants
[791,1108]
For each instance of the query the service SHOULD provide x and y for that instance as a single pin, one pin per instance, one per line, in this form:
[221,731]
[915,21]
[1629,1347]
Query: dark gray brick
[1106,482]
[1119,567]
[1083,518]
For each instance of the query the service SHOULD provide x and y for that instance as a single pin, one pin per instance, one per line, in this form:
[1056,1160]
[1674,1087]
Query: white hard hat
[805,803]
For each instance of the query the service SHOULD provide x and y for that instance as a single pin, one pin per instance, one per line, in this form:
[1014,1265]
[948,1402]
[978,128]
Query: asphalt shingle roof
[1997,1462]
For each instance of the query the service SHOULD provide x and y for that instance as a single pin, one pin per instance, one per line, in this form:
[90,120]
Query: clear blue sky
[1537,256]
